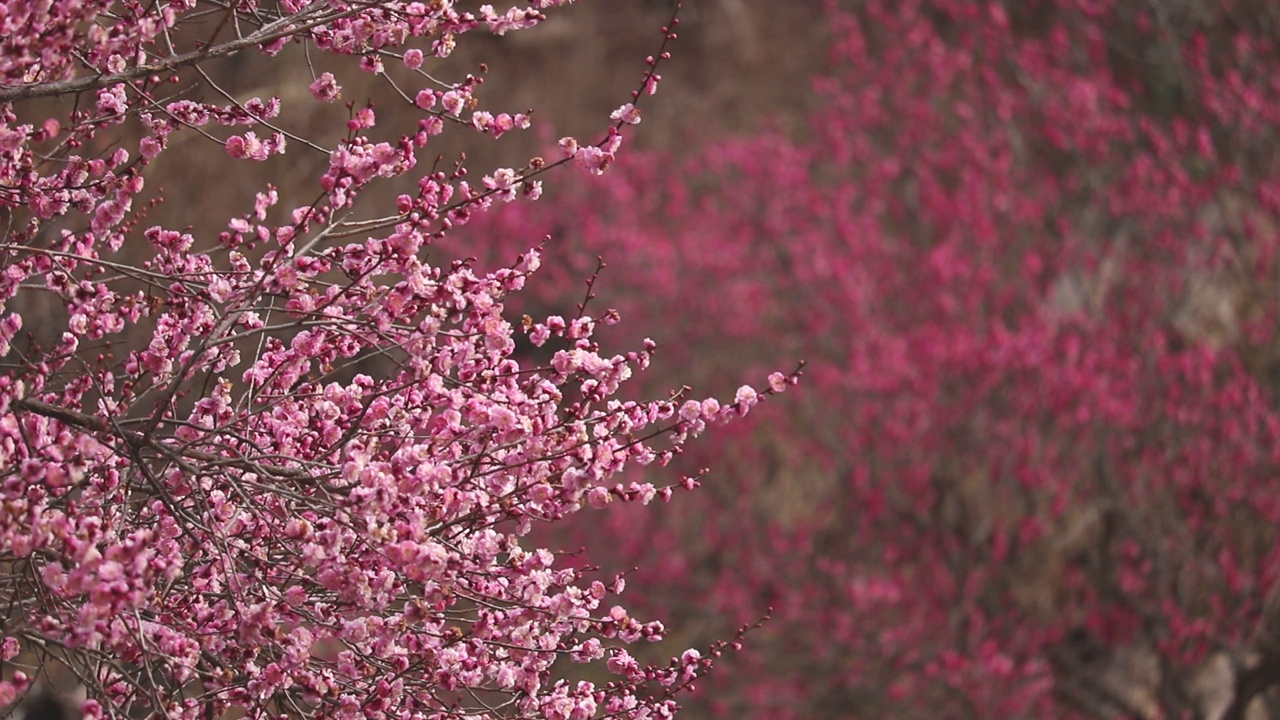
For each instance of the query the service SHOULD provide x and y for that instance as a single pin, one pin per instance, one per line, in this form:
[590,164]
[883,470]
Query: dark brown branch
[284,27]
[95,82]
[1264,670]
[1249,683]
[137,439]
[61,414]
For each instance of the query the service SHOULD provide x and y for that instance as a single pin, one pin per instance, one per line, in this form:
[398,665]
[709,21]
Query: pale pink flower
[628,114]
[326,88]
[454,102]
[777,382]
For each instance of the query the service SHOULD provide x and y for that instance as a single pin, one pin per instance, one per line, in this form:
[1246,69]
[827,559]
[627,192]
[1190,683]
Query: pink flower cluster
[292,469]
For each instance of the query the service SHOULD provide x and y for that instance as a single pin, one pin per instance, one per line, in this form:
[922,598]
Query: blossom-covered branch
[289,469]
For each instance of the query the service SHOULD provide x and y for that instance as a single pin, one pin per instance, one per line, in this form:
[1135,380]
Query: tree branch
[283,27]
[137,439]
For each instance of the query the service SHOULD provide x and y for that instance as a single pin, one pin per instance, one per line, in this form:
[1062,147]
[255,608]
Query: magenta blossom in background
[1029,251]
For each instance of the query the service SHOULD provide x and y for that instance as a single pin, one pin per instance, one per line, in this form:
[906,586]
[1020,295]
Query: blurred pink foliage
[1029,252]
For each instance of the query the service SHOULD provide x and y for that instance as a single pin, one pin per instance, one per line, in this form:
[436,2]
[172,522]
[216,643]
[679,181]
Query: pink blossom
[203,483]
[150,147]
[777,382]
[599,497]
[326,88]
[628,114]
[690,410]
[594,159]
[364,118]
[246,146]
[454,102]
[112,100]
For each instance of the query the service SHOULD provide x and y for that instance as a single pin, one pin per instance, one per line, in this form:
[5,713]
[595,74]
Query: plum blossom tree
[208,504]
